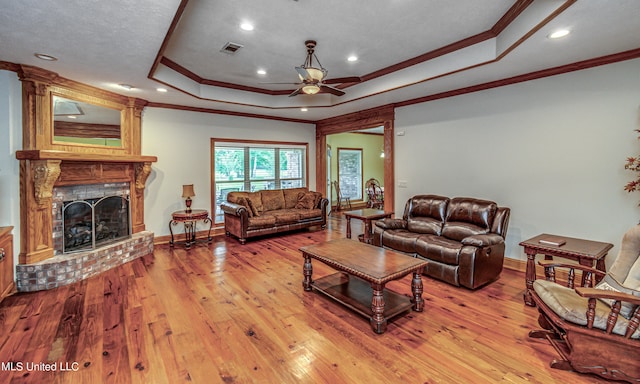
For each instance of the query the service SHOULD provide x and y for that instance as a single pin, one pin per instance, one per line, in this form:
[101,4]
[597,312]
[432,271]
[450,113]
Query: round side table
[189,220]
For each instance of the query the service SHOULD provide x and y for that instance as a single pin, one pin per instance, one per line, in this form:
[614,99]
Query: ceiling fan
[313,79]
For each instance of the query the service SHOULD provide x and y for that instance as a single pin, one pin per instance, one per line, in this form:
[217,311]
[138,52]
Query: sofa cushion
[291,196]
[262,221]
[245,203]
[307,200]
[252,207]
[433,206]
[400,240]
[425,225]
[233,196]
[285,216]
[467,216]
[256,200]
[438,248]
[272,200]
[307,214]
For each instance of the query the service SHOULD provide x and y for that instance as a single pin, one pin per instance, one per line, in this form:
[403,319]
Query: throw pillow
[633,278]
[252,208]
[243,201]
[306,200]
[610,284]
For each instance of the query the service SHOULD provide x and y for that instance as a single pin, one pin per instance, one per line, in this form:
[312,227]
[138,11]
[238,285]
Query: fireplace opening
[91,223]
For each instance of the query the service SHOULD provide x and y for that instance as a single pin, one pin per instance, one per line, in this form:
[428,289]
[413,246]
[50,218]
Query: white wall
[10,141]
[182,142]
[553,150]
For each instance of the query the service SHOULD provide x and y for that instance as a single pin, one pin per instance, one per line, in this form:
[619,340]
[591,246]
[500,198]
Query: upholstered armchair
[594,328]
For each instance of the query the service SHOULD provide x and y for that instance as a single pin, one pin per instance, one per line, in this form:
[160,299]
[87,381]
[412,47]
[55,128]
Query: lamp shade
[187,190]
[310,89]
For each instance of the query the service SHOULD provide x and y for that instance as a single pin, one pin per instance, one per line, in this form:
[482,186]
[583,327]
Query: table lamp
[188,193]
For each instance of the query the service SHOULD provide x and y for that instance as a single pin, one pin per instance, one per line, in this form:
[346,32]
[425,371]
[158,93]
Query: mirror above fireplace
[80,122]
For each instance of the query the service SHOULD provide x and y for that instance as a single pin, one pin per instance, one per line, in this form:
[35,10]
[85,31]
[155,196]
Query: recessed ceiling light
[261,72]
[125,86]
[303,109]
[352,58]
[246,26]
[43,56]
[558,34]
[161,89]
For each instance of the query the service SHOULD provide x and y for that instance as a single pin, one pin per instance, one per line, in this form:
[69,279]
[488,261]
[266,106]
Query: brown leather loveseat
[462,238]
[250,214]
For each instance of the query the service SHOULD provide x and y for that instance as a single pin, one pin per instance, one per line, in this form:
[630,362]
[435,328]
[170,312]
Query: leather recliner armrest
[483,240]
[392,223]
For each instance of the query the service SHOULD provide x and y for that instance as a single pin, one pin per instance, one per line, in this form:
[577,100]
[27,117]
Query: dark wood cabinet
[6,261]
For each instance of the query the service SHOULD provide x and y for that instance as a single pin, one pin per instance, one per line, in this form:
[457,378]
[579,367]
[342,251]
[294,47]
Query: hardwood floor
[226,313]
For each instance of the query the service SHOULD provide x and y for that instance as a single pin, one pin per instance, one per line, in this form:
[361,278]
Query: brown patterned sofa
[462,238]
[250,214]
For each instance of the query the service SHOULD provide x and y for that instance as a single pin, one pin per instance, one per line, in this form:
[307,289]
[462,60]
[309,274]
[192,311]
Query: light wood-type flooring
[227,313]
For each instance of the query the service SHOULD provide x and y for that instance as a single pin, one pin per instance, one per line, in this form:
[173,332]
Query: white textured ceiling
[103,43]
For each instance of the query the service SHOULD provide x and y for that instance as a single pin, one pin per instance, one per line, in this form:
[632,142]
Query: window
[350,173]
[253,166]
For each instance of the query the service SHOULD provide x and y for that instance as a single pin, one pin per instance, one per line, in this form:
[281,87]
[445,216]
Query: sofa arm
[389,223]
[482,241]
[233,209]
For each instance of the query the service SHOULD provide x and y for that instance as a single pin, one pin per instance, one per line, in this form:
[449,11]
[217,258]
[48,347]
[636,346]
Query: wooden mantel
[44,154]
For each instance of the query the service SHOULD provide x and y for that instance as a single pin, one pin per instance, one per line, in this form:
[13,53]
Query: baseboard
[179,237]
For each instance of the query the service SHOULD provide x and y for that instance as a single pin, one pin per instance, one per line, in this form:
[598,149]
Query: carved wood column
[37,178]
[142,171]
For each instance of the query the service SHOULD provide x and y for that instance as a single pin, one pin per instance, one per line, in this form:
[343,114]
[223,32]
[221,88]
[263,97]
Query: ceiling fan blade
[298,83]
[304,75]
[332,90]
[296,92]
[340,80]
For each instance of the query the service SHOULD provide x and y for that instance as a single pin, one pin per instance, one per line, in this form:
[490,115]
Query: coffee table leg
[416,290]
[307,270]
[378,321]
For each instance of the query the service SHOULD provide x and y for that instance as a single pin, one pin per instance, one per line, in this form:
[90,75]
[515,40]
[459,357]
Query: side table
[189,220]
[367,215]
[586,252]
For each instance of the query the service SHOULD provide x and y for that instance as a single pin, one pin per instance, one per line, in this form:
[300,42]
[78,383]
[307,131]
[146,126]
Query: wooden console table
[189,219]
[360,283]
[586,252]
[367,215]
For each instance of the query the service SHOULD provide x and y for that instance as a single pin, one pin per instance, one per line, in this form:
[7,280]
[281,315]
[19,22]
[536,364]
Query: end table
[367,215]
[189,220]
[586,252]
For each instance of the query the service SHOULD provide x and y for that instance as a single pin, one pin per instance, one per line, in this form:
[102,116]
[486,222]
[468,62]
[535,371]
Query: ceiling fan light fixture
[310,89]
[316,74]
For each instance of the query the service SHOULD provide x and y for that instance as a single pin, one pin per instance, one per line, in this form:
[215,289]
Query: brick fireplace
[52,178]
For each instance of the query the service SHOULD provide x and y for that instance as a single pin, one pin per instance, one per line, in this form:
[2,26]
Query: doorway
[363,120]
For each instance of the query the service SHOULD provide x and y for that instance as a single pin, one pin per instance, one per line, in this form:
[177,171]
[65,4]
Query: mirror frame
[38,88]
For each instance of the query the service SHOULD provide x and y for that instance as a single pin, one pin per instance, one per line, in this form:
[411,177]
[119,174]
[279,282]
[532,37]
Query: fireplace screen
[91,223]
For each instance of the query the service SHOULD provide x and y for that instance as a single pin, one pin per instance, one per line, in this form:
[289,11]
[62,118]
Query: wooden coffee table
[586,252]
[363,272]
